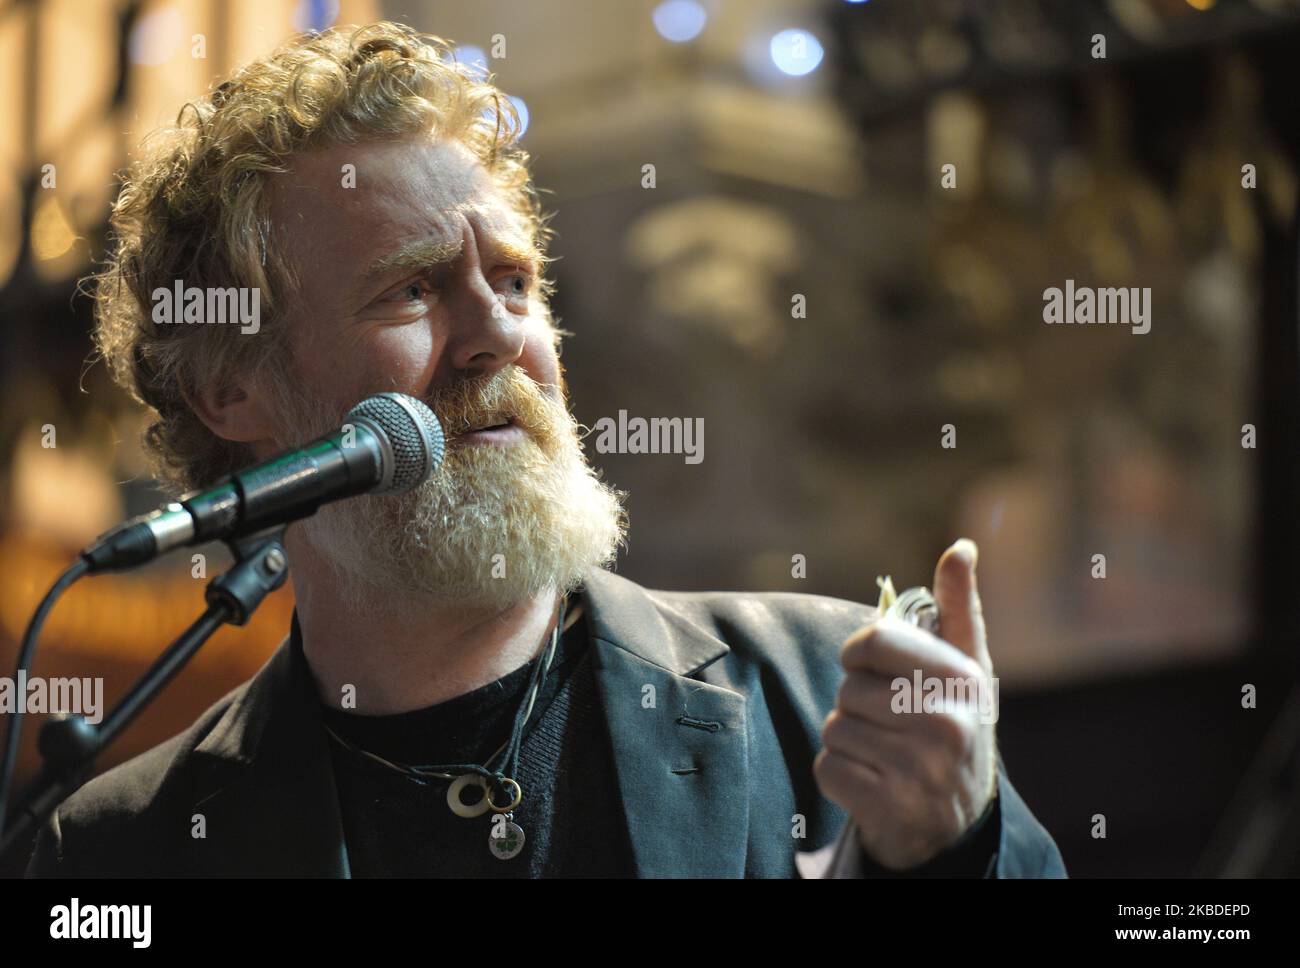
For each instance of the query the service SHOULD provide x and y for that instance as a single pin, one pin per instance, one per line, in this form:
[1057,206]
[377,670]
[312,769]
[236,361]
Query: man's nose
[485,336]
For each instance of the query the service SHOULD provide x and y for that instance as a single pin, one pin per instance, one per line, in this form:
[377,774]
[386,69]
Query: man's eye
[517,284]
[413,291]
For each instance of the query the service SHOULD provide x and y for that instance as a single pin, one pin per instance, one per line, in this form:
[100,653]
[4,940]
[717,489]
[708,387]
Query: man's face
[418,276]
[420,279]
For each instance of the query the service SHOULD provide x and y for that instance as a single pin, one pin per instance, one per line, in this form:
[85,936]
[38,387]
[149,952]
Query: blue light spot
[796,52]
[489,115]
[679,20]
[473,60]
[522,110]
[315,15]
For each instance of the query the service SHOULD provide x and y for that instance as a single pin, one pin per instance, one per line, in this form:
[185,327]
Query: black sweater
[571,813]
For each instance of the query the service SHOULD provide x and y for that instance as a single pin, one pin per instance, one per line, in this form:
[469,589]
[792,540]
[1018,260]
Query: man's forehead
[386,166]
[374,198]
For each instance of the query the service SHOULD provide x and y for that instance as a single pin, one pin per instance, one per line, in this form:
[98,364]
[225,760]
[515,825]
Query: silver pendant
[506,839]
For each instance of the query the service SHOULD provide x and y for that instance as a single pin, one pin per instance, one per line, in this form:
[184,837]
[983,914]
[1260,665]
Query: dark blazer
[712,775]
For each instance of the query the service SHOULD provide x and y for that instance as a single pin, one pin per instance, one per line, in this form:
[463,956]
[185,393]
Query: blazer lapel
[267,794]
[681,746]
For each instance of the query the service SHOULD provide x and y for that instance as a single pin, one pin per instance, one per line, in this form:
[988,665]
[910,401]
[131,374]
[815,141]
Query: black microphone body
[389,443]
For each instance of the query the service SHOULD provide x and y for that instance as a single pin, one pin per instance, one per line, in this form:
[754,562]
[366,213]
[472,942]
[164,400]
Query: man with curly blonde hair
[466,690]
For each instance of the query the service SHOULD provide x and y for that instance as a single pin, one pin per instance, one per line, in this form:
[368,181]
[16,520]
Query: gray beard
[495,526]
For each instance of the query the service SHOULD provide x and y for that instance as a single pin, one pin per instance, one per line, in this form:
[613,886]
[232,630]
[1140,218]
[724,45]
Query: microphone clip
[262,566]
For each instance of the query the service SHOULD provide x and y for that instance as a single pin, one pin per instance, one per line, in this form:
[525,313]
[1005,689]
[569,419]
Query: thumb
[961,617]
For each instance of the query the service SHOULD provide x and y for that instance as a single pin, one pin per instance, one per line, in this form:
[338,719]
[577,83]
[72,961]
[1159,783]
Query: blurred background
[800,277]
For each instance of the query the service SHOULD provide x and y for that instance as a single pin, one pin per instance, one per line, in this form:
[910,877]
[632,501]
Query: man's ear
[233,410]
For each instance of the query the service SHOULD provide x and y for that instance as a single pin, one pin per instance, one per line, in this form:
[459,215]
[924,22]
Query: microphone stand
[69,745]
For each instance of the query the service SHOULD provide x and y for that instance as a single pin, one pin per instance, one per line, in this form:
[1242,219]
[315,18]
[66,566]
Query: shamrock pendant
[507,837]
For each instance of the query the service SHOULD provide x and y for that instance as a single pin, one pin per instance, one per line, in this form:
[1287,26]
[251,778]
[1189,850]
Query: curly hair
[196,207]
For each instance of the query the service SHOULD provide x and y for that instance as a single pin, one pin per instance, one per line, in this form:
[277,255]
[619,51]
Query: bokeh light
[156,37]
[796,52]
[679,20]
[521,109]
[473,59]
[315,14]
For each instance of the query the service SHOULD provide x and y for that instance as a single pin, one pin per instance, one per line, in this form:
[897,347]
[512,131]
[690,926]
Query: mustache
[508,394]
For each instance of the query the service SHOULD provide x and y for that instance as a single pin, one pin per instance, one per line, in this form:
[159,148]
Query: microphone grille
[413,434]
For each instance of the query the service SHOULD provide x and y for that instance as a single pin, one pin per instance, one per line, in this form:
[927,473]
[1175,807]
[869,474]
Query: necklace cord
[499,778]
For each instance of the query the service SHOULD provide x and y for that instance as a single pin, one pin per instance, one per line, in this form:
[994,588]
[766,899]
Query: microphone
[389,444]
